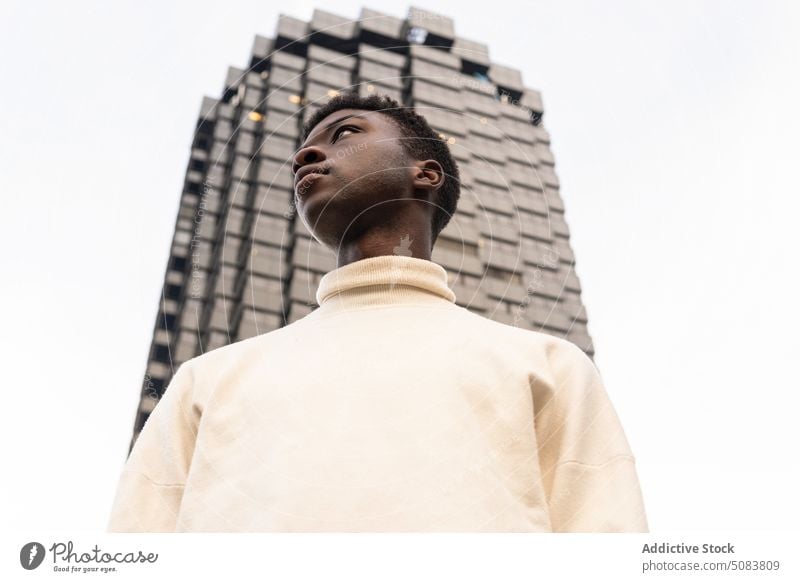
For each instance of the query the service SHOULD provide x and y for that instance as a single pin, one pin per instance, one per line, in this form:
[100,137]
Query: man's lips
[305,183]
[311,168]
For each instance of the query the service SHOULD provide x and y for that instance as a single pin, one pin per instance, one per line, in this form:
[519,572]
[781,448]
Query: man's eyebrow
[332,123]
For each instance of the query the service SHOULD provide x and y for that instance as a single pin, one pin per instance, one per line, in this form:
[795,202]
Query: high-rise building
[242,263]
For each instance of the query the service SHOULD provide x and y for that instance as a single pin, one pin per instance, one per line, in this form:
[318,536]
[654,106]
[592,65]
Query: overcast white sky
[675,130]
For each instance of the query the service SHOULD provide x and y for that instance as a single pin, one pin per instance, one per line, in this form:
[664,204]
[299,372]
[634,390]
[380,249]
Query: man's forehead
[373,117]
[369,115]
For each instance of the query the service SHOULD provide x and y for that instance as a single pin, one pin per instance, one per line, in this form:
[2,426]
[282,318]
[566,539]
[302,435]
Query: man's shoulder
[553,347]
[240,350]
[551,343]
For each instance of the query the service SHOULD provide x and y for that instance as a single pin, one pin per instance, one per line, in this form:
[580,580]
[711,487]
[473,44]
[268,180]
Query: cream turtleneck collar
[384,280]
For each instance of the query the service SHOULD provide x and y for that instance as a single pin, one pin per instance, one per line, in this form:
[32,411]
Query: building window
[172,291]
[507,95]
[154,388]
[177,263]
[161,353]
[142,421]
[475,70]
[457,247]
[417,35]
[503,275]
[167,321]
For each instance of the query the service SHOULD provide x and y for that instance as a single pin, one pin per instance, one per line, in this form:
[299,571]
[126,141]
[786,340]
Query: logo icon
[31,555]
[401,250]
[404,248]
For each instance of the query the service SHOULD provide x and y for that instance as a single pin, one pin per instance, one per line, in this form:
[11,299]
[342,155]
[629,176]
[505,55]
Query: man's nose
[307,155]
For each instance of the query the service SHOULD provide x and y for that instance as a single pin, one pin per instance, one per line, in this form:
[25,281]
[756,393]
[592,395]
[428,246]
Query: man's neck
[411,242]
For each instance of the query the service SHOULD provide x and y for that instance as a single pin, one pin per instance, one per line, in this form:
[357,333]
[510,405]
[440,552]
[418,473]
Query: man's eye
[340,130]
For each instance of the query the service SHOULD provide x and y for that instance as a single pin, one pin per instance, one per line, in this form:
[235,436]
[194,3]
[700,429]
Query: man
[388,408]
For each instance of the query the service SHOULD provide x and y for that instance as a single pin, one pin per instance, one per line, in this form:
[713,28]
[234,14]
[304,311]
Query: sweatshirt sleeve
[150,488]
[588,470]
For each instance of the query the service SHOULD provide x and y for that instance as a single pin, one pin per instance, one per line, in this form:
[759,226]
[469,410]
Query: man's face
[367,173]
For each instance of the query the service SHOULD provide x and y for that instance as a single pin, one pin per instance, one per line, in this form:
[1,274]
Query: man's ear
[428,175]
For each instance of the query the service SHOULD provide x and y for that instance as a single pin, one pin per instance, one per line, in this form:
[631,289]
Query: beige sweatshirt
[389,408]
